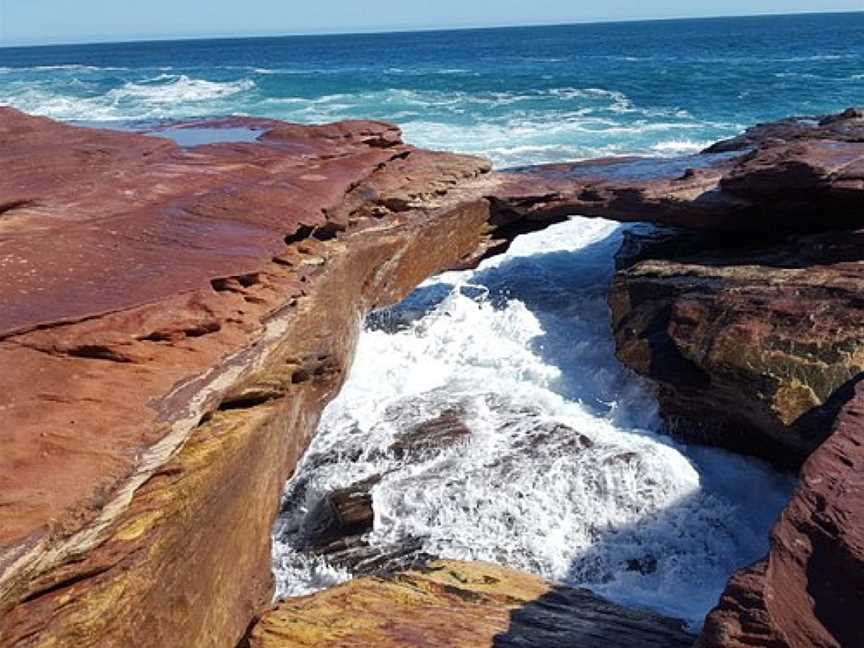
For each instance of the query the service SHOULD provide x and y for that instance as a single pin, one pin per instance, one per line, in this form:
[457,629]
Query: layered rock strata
[461,605]
[798,175]
[173,320]
[751,346]
[755,343]
[809,590]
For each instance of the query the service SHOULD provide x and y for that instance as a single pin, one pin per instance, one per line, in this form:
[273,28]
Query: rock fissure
[244,274]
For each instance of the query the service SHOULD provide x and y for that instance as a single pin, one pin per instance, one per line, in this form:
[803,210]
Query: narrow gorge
[175,318]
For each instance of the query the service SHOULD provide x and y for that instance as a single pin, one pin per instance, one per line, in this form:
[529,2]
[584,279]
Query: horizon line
[401,30]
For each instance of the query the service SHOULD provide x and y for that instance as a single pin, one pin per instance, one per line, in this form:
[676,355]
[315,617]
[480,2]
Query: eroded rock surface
[809,591]
[803,174]
[756,344]
[172,321]
[461,605]
[749,345]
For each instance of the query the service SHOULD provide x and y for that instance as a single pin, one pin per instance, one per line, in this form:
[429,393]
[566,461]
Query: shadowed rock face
[748,345]
[810,589]
[462,605]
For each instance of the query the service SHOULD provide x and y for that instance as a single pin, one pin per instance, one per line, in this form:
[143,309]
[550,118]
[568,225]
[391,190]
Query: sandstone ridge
[173,320]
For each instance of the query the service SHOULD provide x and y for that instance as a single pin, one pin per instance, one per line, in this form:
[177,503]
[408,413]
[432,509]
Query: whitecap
[177,89]
[523,344]
[75,67]
[160,97]
[675,147]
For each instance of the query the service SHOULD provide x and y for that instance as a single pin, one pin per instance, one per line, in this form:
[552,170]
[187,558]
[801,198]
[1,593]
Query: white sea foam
[680,146]
[511,127]
[75,67]
[172,89]
[162,96]
[522,344]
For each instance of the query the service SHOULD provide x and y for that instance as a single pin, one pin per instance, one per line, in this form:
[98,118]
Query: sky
[70,21]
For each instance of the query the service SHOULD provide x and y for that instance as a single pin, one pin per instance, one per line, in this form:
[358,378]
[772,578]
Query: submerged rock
[336,525]
[432,436]
[341,513]
[461,605]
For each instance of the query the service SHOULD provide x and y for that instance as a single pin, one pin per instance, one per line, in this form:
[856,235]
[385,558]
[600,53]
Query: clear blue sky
[46,21]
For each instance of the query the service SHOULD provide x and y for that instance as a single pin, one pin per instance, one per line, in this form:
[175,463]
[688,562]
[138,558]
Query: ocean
[517,95]
[520,346]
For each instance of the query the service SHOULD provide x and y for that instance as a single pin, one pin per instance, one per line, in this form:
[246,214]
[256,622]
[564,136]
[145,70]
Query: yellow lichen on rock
[458,604]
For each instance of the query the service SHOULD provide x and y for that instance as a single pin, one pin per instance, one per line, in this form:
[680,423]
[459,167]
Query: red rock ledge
[171,323]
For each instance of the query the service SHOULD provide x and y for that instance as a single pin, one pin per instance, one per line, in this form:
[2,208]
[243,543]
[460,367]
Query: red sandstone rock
[809,592]
[756,342]
[796,175]
[748,345]
[172,321]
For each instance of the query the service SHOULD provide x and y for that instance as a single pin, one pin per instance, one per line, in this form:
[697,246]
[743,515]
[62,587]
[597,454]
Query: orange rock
[172,322]
[460,605]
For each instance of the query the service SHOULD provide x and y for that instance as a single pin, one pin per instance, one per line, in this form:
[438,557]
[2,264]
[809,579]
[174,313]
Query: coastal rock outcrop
[755,343]
[799,175]
[463,605]
[174,319]
[809,590]
[750,346]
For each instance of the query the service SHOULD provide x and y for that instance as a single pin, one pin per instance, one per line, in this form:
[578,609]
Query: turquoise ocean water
[517,95]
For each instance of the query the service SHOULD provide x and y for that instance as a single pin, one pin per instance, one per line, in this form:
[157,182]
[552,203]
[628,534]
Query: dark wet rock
[543,435]
[338,525]
[336,529]
[432,436]
[362,559]
[341,513]
[643,565]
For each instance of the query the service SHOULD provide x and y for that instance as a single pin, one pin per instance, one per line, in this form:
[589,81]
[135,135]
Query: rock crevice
[173,320]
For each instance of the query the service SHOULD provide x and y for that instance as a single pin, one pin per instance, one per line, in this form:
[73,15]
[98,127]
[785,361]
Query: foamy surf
[510,127]
[564,474]
[164,96]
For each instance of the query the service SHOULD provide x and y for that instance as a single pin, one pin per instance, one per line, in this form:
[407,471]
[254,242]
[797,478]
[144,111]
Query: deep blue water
[516,94]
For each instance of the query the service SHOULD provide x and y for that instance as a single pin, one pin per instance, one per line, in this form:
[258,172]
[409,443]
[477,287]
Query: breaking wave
[564,473]
[164,96]
[510,127]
